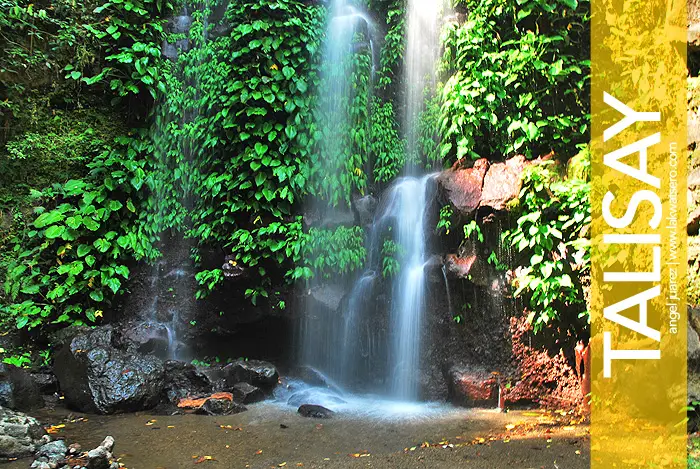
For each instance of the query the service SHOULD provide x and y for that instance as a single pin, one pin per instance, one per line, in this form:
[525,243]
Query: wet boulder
[315,411]
[222,407]
[247,393]
[20,434]
[97,377]
[18,390]
[259,373]
[184,379]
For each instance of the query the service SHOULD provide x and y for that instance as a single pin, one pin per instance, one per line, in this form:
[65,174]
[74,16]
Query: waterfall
[173,284]
[408,202]
[408,298]
[420,60]
[342,335]
[329,342]
[351,346]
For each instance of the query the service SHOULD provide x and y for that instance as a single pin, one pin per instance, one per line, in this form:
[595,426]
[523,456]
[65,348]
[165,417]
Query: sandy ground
[271,436]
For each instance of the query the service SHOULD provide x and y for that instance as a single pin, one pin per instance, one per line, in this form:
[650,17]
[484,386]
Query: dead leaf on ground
[53,429]
[196,403]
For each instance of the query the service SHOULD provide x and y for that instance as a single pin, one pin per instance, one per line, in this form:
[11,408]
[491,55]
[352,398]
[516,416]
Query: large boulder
[20,434]
[18,390]
[261,374]
[484,185]
[502,183]
[463,187]
[97,377]
[184,379]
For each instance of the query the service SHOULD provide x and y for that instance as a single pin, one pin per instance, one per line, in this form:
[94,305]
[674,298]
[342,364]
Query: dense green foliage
[73,178]
[74,254]
[332,252]
[111,148]
[231,172]
[225,159]
[516,79]
[553,260]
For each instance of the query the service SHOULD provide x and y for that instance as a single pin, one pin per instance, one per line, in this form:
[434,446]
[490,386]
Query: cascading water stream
[172,283]
[420,59]
[329,342]
[338,343]
[409,204]
[408,305]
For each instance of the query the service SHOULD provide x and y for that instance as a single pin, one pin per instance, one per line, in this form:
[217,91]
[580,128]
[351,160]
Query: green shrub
[516,79]
[553,253]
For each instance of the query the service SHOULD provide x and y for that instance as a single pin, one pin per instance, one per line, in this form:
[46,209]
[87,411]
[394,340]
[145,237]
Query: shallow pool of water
[273,434]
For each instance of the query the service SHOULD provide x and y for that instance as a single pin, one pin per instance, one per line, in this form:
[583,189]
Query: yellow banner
[638,312]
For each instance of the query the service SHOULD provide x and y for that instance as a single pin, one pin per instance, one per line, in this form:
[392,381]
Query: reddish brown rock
[472,388]
[502,183]
[460,267]
[543,378]
[473,268]
[491,185]
[462,187]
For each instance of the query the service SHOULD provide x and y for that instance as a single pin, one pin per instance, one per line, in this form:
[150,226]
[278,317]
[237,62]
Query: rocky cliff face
[467,335]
